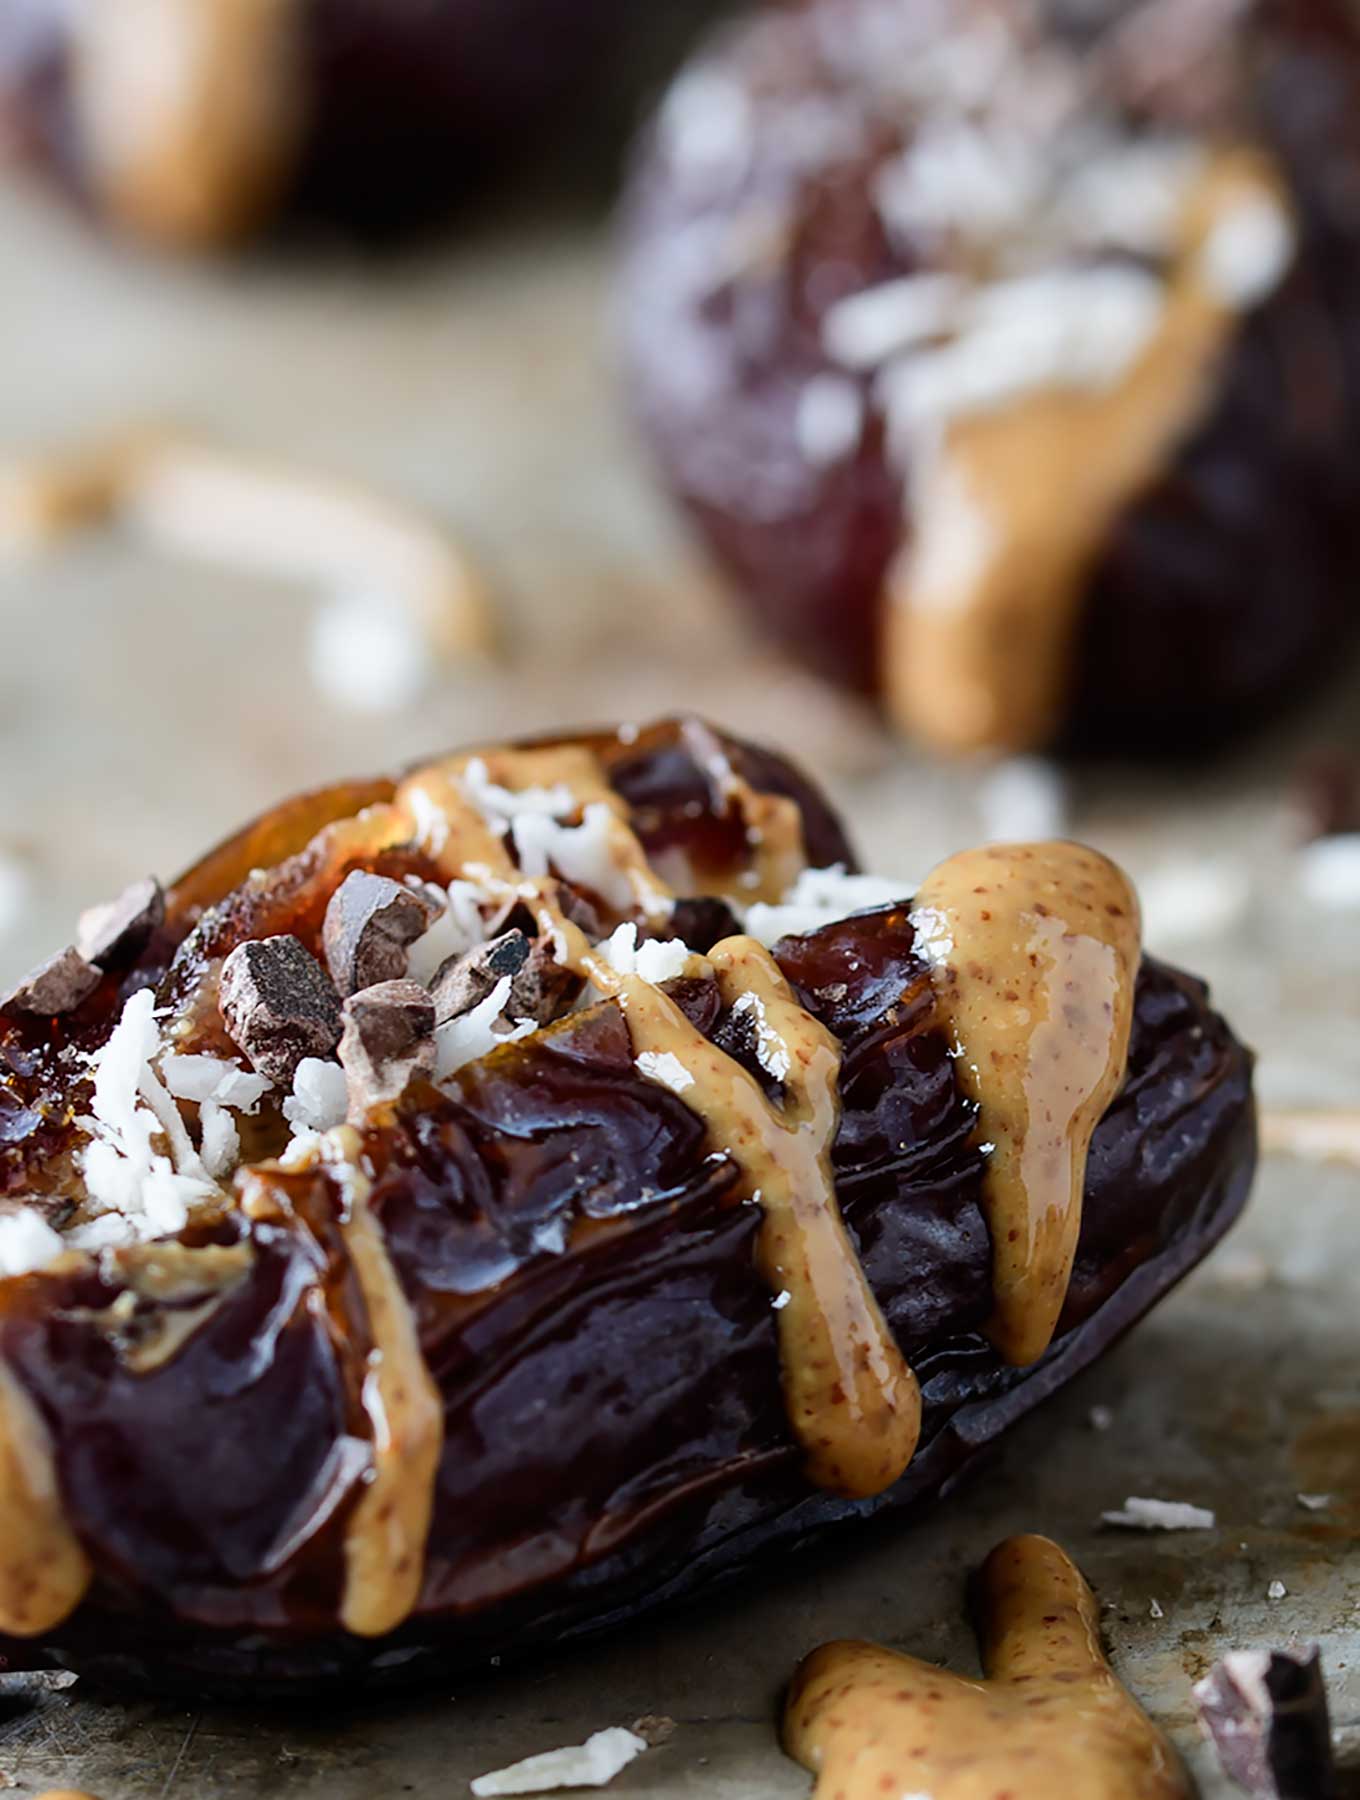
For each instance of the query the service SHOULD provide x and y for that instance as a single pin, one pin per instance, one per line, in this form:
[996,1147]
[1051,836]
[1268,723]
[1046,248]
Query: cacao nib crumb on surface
[540,989]
[1265,1712]
[279,1006]
[56,986]
[114,932]
[388,1038]
[370,924]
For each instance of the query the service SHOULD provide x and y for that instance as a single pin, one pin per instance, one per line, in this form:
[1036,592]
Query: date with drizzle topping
[733,1208]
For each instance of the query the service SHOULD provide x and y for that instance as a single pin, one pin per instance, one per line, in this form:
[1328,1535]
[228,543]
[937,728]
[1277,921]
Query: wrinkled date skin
[405,108]
[1224,592]
[582,1277]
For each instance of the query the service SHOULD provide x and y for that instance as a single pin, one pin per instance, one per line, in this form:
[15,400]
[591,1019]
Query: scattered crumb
[1241,1269]
[1329,872]
[1325,1134]
[1314,1502]
[1023,800]
[1186,902]
[655,1728]
[1155,1610]
[1100,1418]
[591,1764]
[1160,1515]
[1276,1591]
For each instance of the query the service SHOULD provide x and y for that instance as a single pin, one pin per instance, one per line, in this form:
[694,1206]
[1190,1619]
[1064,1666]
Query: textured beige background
[146,707]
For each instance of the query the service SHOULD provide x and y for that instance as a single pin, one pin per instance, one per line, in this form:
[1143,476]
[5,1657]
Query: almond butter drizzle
[44,1573]
[853,1404]
[386,1536]
[1012,511]
[774,822]
[189,111]
[1049,1716]
[1035,950]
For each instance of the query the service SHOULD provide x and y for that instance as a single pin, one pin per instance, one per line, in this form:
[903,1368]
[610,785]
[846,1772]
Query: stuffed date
[469,1209]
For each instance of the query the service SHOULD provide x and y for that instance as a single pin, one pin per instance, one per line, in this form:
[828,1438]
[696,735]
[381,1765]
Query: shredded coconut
[1247,251]
[1160,1515]
[591,1764]
[27,1242]
[706,127]
[499,805]
[666,1068]
[1184,902]
[463,1040]
[867,328]
[1023,800]
[830,419]
[1276,1591]
[654,959]
[202,1078]
[458,929]
[123,1173]
[320,1096]
[583,854]
[367,653]
[821,897]
[1329,872]
[772,1053]
[1314,1502]
[1155,1610]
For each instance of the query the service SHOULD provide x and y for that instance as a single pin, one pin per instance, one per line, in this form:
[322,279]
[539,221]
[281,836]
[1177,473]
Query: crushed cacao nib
[370,923]
[1265,1712]
[702,922]
[56,986]
[388,1038]
[540,989]
[116,932]
[278,1006]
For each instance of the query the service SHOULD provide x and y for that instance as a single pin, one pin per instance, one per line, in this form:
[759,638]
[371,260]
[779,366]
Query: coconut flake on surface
[1314,1502]
[1132,195]
[27,1242]
[654,959]
[1160,1515]
[665,1068]
[829,421]
[772,1053]
[582,854]
[1247,250]
[499,805]
[368,654]
[202,1078]
[320,1097]
[1329,872]
[123,1173]
[591,1764]
[463,1040]
[1276,1591]
[867,328]
[706,127]
[822,897]
[458,929]
[1023,800]
[1189,901]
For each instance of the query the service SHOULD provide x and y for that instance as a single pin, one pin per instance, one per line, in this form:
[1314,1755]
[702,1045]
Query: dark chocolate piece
[278,1006]
[116,931]
[388,1038]
[1265,1712]
[370,924]
[540,989]
[56,986]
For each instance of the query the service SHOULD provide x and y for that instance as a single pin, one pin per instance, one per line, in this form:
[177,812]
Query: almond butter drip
[43,1570]
[1035,951]
[853,1403]
[1013,509]
[189,111]
[1049,1716]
